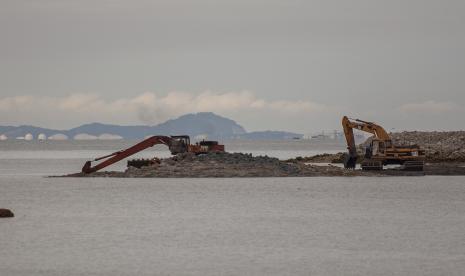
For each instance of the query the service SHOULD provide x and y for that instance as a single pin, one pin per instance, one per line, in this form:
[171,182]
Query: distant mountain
[20,131]
[199,125]
[96,129]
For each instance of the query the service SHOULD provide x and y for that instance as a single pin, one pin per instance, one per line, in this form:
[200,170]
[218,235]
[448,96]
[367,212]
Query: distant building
[320,137]
[3,137]
[42,137]
[29,137]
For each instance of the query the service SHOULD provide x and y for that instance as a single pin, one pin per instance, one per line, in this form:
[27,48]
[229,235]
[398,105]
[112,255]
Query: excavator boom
[369,127]
[119,155]
[176,144]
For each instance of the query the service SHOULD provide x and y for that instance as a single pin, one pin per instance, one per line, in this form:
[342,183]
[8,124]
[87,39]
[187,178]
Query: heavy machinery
[176,145]
[380,150]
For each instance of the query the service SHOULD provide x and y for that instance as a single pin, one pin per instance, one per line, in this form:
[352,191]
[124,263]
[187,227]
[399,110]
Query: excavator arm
[119,155]
[369,127]
[377,130]
[349,134]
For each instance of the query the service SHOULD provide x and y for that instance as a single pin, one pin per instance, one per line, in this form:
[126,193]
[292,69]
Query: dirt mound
[229,165]
[319,158]
[225,165]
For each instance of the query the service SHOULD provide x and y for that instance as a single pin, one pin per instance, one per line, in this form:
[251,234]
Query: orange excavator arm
[119,155]
[349,134]
[369,127]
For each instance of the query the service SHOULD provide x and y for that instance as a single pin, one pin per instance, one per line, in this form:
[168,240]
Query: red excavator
[176,144]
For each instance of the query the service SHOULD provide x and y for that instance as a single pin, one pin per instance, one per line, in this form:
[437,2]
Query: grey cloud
[368,57]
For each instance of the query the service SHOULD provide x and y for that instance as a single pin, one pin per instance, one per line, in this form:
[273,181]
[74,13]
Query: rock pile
[245,165]
[319,158]
[447,146]
[225,165]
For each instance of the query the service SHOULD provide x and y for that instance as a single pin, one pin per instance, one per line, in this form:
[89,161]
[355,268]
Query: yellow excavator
[380,151]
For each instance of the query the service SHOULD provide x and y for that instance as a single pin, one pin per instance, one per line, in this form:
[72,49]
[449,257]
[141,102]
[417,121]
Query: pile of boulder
[446,146]
[225,165]
[189,165]
[320,158]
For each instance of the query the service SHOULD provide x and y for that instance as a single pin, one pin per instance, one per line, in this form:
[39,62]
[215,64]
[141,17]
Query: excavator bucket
[349,161]
[87,167]
[372,165]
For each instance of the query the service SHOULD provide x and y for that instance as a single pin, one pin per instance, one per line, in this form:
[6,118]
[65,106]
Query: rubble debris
[440,146]
[319,158]
[224,164]
[445,146]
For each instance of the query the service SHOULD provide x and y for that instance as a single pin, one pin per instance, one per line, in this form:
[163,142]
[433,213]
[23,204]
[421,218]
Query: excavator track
[372,165]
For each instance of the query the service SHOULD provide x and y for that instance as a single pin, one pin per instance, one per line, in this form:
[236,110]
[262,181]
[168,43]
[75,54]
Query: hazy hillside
[204,124]
[21,131]
[209,124]
[96,129]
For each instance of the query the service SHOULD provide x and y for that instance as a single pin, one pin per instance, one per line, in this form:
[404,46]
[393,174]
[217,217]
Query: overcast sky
[289,65]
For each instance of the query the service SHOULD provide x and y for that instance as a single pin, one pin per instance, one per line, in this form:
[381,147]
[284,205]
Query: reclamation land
[445,155]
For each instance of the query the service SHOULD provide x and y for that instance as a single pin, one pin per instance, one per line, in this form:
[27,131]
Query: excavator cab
[378,147]
[179,144]
[374,148]
[369,150]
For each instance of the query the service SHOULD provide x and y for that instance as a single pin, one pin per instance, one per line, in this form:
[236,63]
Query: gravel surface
[447,146]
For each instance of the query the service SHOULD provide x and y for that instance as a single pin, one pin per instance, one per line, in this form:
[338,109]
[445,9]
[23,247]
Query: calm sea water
[252,226]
